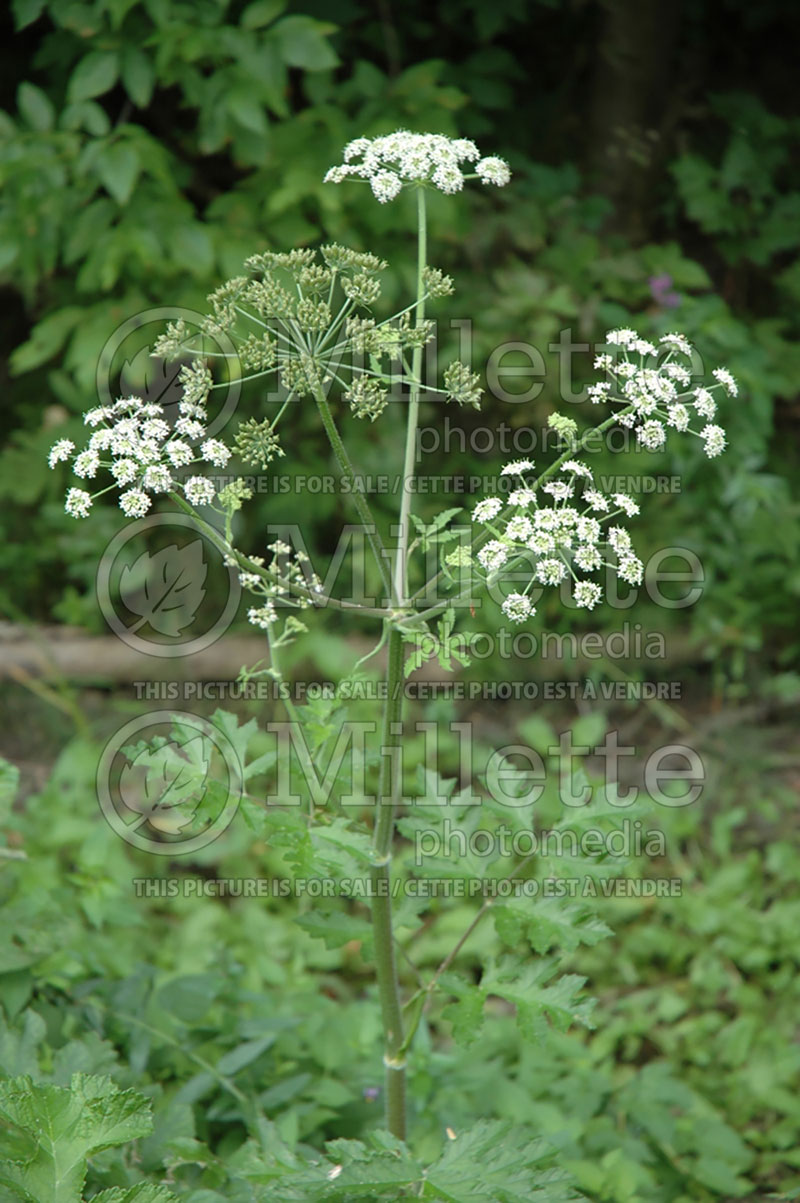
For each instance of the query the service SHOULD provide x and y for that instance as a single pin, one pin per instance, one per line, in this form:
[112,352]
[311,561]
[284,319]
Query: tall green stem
[390,781]
[385,967]
[401,559]
[359,501]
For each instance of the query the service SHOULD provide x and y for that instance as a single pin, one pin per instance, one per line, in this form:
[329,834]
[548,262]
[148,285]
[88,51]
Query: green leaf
[334,927]
[35,106]
[19,1051]
[145,1192]
[238,736]
[589,729]
[27,11]
[244,1054]
[302,43]
[138,76]
[47,337]
[525,984]
[86,115]
[9,783]
[466,1014]
[9,252]
[549,923]
[118,166]
[539,734]
[247,109]
[192,247]
[188,998]
[262,13]
[352,1170]
[684,1125]
[66,1127]
[94,76]
[343,836]
[493,1161]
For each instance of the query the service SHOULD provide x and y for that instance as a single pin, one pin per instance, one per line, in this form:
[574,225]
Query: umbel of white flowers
[391,162]
[143,452]
[565,526]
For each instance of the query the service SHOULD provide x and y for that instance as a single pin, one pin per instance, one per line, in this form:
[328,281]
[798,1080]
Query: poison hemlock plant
[309,321]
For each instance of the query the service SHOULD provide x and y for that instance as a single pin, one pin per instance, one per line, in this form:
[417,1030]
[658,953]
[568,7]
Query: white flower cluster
[655,398]
[561,528]
[292,567]
[401,158]
[142,452]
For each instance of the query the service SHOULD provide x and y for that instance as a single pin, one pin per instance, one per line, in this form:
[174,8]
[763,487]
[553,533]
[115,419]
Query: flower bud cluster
[292,567]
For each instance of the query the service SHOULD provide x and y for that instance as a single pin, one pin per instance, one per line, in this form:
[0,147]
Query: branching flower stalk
[305,319]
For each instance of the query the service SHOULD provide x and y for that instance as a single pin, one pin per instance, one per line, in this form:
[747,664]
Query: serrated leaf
[239,736]
[288,831]
[548,923]
[334,927]
[493,1161]
[173,587]
[145,1192]
[466,1014]
[341,835]
[17,1146]
[527,985]
[351,1170]
[67,1126]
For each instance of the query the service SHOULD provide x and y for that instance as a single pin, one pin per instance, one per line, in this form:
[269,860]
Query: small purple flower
[660,287]
[371,1093]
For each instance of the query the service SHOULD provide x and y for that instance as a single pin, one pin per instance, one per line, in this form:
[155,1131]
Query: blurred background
[148,146]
